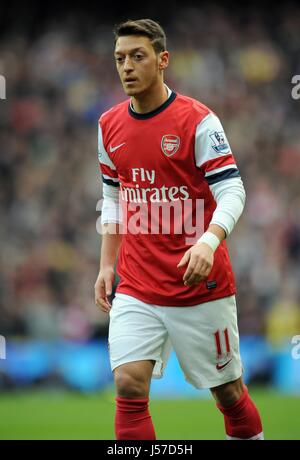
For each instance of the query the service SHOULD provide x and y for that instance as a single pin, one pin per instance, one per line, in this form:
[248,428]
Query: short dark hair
[146,28]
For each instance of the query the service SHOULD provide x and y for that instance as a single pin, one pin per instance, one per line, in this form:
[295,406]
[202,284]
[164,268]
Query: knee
[129,386]
[229,393]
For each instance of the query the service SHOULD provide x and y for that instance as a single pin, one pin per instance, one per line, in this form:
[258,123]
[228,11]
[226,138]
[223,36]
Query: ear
[163,60]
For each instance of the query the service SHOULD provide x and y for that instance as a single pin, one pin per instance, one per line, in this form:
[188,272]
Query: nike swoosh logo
[112,149]
[221,366]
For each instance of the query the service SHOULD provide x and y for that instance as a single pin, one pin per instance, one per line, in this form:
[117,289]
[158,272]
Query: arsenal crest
[170,144]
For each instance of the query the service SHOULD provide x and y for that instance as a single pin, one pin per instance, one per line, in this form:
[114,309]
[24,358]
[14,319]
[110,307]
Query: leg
[137,340]
[241,417]
[132,381]
[228,393]
[206,342]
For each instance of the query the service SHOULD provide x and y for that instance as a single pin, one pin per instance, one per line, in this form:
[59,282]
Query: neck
[150,100]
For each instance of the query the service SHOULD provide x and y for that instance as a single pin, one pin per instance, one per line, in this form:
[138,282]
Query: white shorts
[205,338]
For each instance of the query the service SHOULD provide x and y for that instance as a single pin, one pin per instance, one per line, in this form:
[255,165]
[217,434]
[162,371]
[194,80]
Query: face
[139,67]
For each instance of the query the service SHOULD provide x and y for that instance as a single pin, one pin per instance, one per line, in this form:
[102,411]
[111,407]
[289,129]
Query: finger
[100,290]
[194,275]
[197,275]
[108,287]
[104,306]
[100,296]
[190,269]
[184,259]
[207,271]
[204,270]
[194,281]
[103,301]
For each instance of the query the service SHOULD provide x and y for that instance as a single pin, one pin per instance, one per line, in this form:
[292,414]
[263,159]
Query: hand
[200,259]
[103,288]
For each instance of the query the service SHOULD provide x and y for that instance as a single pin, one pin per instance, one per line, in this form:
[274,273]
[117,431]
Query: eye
[119,59]
[138,56]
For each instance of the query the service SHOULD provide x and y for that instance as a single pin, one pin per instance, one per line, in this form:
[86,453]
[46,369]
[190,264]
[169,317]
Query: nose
[128,64]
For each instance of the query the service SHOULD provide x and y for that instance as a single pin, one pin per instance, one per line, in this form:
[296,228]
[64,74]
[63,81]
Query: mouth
[129,80]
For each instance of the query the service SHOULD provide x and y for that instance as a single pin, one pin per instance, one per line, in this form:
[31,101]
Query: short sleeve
[107,168]
[212,151]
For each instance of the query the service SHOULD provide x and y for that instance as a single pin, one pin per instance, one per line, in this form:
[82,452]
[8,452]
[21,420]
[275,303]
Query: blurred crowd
[57,85]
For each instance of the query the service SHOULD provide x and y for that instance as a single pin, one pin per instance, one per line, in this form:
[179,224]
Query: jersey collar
[145,116]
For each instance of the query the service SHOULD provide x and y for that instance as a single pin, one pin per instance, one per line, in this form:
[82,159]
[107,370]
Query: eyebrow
[132,51]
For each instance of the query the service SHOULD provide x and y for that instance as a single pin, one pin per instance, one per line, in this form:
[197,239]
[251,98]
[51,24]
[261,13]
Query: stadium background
[57,61]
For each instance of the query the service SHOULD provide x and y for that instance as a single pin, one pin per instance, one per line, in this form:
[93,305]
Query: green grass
[52,415]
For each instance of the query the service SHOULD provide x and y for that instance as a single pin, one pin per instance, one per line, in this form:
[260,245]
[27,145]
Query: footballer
[161,149]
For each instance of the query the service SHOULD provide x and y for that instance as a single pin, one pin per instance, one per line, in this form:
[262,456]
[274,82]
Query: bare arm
[111,241]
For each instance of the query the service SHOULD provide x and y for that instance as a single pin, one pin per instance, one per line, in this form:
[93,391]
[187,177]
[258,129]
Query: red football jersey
[166,159]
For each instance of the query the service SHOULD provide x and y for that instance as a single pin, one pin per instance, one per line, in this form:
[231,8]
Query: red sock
[133,420]
[242,420]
